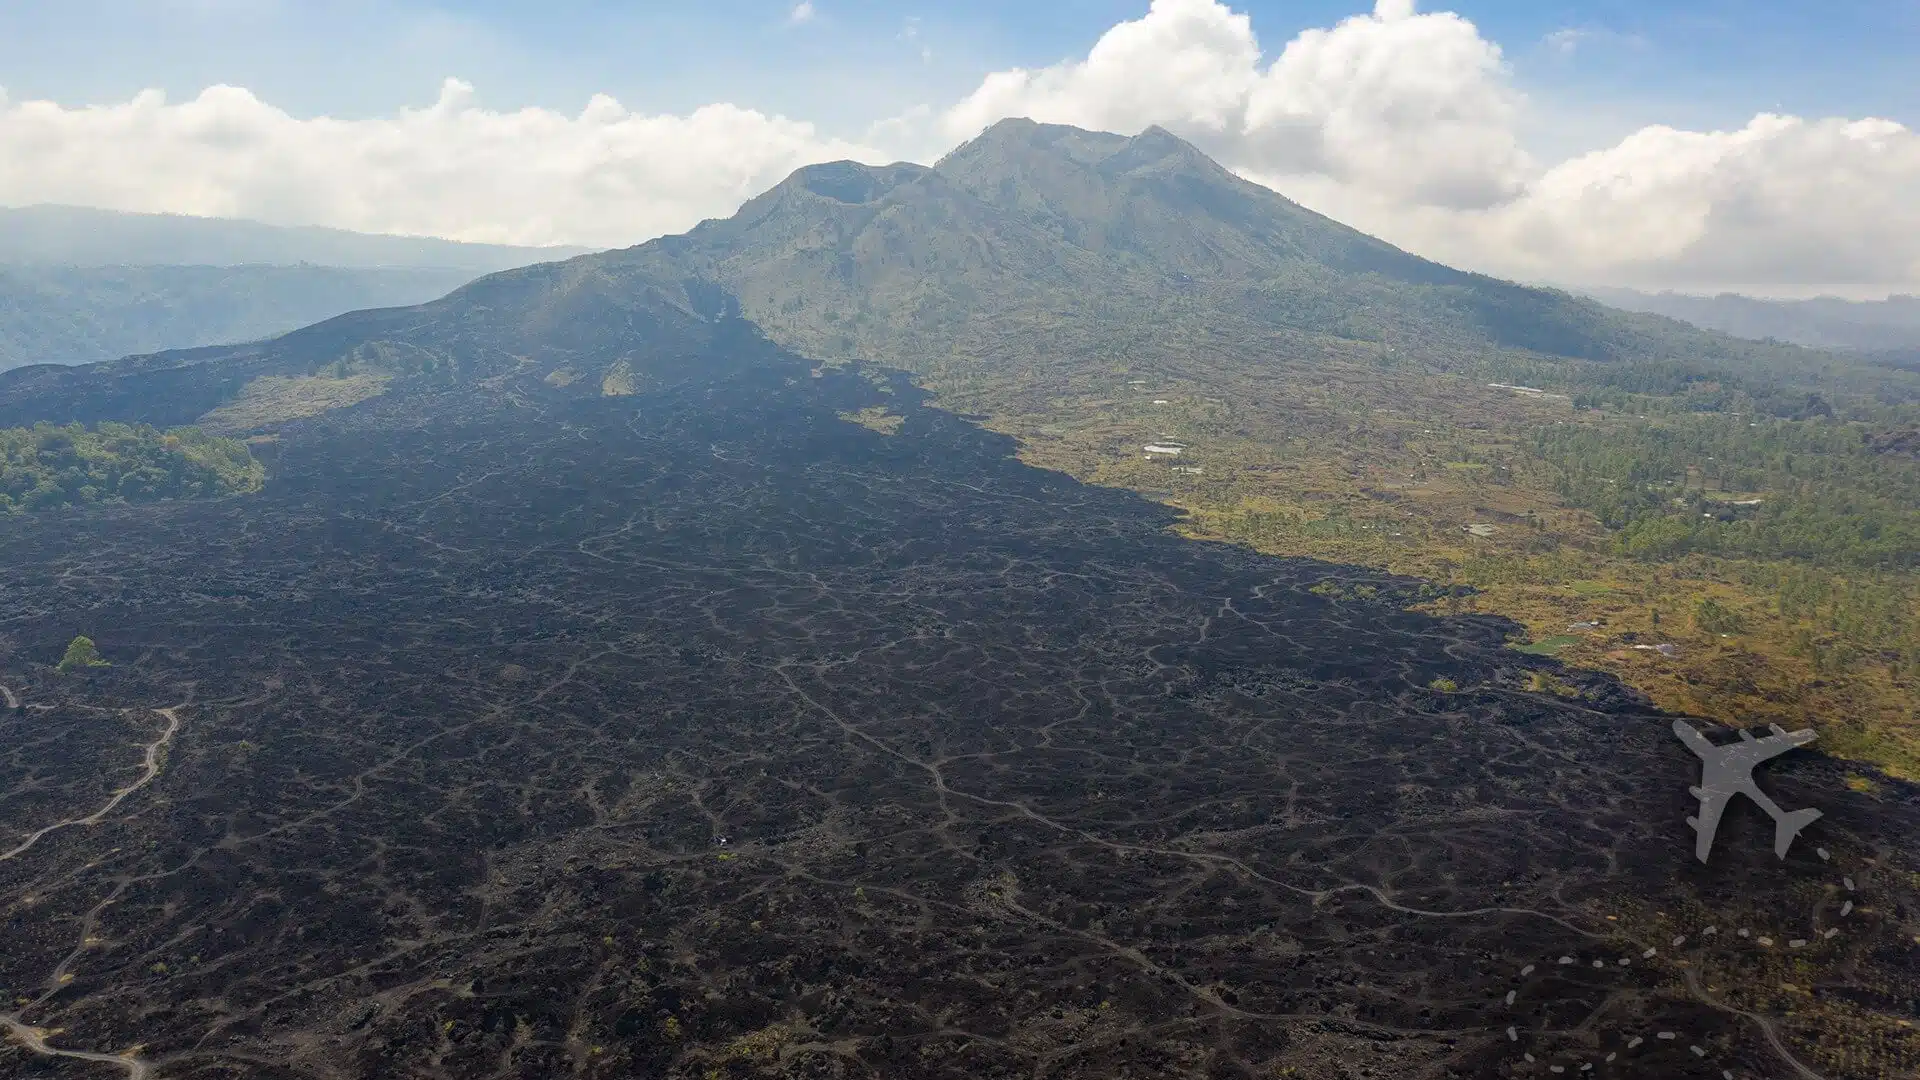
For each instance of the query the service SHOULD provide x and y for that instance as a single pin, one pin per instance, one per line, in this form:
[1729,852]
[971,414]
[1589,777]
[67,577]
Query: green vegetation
[48,466]
[272,399]
[875,418]
[1809,616]
[81,653]
[1819,489]
[1550,646]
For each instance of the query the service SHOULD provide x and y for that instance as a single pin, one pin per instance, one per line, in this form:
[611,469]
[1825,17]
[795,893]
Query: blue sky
[1697,63]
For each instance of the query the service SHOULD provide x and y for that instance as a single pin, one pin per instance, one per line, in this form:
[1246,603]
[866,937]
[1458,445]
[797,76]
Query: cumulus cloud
[802,12]
[1565,40]
[1406,124]
[1402,122]
[1417,105]
[1187,64]
[605,176]
[1780,201]
[1780,205]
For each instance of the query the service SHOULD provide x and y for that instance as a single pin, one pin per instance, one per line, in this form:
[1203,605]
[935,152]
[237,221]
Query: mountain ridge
[1819,322]
[1140,224]
[89,314]
[58,234]
[83,285]
[1029,252]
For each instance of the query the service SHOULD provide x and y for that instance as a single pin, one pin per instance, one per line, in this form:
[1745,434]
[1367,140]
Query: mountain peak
[1016,138]
[1157,139]
[1020,147]
[850,181]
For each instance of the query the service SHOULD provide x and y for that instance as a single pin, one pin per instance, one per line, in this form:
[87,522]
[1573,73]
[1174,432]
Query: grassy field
[1441,477]
[273,399]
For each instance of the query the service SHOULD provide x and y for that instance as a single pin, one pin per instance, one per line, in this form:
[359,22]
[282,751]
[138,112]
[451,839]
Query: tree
[81,653]
[1713,617]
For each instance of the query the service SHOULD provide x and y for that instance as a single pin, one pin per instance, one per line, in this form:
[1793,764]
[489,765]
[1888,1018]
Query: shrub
[81,653]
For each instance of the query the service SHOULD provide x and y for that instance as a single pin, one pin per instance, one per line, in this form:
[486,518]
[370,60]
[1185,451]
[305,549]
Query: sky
[1690,144]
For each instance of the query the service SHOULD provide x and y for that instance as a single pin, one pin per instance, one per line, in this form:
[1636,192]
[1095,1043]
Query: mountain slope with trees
[1036,248]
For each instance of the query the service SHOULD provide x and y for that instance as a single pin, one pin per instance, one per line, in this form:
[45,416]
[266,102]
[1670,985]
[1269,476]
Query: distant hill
[80,315]
[82,236]
[1823,322]
[79,285]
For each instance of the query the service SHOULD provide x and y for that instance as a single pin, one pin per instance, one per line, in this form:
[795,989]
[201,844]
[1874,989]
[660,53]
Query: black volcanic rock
[470,696]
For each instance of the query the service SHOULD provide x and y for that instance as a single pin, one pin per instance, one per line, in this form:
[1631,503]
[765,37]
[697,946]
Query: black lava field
[703,733]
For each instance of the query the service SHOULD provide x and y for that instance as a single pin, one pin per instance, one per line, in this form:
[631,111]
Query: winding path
[1765,1025]
[34,1038]
[152,764]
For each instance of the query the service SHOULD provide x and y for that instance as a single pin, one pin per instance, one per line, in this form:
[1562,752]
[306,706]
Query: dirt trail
[1692,977]
[34,1038]
[152,764]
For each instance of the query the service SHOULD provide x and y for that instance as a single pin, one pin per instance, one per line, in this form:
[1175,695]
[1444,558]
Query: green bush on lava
[81,653]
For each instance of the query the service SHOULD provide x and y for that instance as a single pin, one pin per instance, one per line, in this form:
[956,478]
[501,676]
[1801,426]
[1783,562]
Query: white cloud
[1779,201]
[1781,205]
[1406,124]
[802,12]
[1401,122]
[1396,100]
[454,169]
[1188,63]
[910,32]
[1565,40]
[1411,105]
[1571,39]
